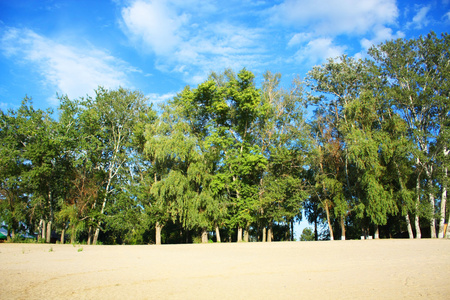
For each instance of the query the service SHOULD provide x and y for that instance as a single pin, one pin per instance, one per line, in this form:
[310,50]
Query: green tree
[108,124]
[283,137]
[416,73]
[334,86]
[307,235]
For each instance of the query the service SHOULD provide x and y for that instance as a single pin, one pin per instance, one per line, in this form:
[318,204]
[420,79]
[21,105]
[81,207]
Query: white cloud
[160,98]
[332,17]
[447,17]
[155,24]
[72,71]
[420,19]
[171,30]
[381,34]
[299,38]
[317,50]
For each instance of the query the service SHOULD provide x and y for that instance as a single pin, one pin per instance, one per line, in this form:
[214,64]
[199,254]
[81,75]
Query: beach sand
[366,269]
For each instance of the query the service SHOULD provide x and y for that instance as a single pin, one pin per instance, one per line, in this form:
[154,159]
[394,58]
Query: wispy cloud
[381,34]
[420,19]
[447,17]
[315,51]
[70,70]
[332,17]
[189,45]
[160,98]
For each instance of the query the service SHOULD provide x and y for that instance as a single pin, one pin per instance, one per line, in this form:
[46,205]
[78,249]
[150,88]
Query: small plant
[197,240]
[51,249]
[80,249]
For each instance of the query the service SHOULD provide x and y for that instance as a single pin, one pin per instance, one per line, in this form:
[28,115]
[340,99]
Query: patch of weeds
[51,249]
[80,249]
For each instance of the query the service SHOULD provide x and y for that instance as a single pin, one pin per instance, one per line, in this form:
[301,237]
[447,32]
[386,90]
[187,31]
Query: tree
[334,86]
[416,73]
[307,235]
[109,122]
[13,199]
[283,137]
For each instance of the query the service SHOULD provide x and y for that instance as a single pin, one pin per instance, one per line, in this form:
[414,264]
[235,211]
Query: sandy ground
[370,269]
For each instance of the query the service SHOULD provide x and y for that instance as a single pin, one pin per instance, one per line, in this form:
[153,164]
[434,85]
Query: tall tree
[417,73]
[334,86]
[109,121]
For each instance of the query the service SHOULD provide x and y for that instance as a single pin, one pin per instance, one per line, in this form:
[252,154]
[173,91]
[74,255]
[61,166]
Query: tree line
[230,161]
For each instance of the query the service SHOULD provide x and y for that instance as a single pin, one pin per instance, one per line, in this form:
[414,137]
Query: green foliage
[228,155]
[307,235]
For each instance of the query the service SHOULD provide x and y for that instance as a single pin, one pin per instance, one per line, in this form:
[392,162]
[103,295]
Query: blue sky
[158,47]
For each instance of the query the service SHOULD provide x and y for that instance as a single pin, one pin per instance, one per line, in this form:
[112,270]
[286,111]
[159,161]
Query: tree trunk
[377,232]
[49,231]
[204,236]
[246,234]
[416,219]
[409,227]
[264,237]
[73,235]
[342,228]
[96,234]
[89,241]
[292,230]
[432,202]
[239,234]
[447,232]
[316,236]
[443,204]
[41,234]
[158,228]
[97,230]
[62,236]
[217,234]
[270,233]
[327,211]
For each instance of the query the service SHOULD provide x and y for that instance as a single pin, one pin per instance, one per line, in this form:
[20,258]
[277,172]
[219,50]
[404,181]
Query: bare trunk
[158,228]
[246,234]
[97,230]
[8,235]
[41,229]
[73,235]
[270,233]
[96,234]
[217,235]
[377,232]
[49,223]
[239,234]
[447,231]
[264,237]
[408,220]
[409,227]
[316,236]
[89,241]
[443,204]
[327,211]
[416,219]
[49,232]
[204,236]
[62,236]
[292,231]
[342,228]
[432,202]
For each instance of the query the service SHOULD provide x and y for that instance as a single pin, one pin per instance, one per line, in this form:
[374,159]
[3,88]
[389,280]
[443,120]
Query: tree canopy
[233,159]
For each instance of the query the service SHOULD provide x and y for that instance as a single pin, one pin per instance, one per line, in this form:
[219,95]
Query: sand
[368,269]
